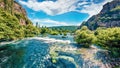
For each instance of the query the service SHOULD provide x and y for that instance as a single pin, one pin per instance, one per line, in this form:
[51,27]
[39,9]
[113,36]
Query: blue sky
[61,12]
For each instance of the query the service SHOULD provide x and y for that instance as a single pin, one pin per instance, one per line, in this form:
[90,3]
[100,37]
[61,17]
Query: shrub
[109,37]
[10,28]
[85,37]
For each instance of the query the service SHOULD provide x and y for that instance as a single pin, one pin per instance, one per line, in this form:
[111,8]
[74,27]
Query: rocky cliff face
[108,17]
[109,6]
[17,9]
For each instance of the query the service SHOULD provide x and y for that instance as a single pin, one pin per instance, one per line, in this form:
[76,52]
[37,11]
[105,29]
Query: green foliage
[66,29]
[18,15]
[116,9]
[84,36]
[44,30]
[6,32]
[9,6]
[9,25]
[10,28]
[65,34]
[109,37]
[21,16]
[31,31]
[54,32]
[106,37]
[104,19]
[53,54]
[53,57]
[114,52]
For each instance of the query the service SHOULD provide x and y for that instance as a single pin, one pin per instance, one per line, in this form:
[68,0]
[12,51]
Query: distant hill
[69,28]
[108,17]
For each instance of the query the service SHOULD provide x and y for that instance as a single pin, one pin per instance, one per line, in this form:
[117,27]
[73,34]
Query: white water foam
[45,39]
[4,43]
[51,40]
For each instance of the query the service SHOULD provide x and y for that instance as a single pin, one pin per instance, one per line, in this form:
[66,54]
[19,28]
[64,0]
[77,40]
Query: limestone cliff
[108,17]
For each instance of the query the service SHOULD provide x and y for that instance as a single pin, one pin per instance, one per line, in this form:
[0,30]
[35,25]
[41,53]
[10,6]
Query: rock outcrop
[16,9]
[108,17]
[110,5]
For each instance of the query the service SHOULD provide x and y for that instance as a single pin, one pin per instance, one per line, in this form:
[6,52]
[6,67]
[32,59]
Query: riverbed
[50,52]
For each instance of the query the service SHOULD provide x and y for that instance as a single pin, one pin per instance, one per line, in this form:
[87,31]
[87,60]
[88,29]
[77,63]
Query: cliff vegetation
[14,23]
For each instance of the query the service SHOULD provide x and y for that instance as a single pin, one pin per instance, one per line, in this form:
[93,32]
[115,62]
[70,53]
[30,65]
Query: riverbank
[7,42]
[60,53]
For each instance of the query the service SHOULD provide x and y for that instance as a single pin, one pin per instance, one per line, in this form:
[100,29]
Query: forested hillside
[69,28]
[14,23]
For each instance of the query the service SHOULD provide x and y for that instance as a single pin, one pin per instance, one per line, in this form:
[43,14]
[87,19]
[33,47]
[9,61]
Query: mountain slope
[108,17]
[15,9]
[14,23]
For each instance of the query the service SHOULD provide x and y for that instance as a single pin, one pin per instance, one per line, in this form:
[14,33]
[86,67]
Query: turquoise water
[34,53]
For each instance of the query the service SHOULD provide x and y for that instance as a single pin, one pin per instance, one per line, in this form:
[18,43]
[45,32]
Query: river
[49,52]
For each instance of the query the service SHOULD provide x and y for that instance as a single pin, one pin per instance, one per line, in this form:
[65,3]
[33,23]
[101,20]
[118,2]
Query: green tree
[10,28]
[85,37]
[109,37]
[31,31]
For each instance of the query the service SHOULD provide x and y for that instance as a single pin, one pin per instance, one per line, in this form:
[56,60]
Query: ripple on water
[34,53]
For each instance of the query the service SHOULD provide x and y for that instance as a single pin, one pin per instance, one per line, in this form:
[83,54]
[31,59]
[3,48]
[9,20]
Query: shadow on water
[34,53]
[76,45]
[30,53]
[108,59]
[11,57]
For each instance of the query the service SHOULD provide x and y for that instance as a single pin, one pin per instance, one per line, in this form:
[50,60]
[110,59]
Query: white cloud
[50,7]
[63,6]
[49,22]
[93,9]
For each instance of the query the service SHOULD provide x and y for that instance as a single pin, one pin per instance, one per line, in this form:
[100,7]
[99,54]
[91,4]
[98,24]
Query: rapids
[36,53]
